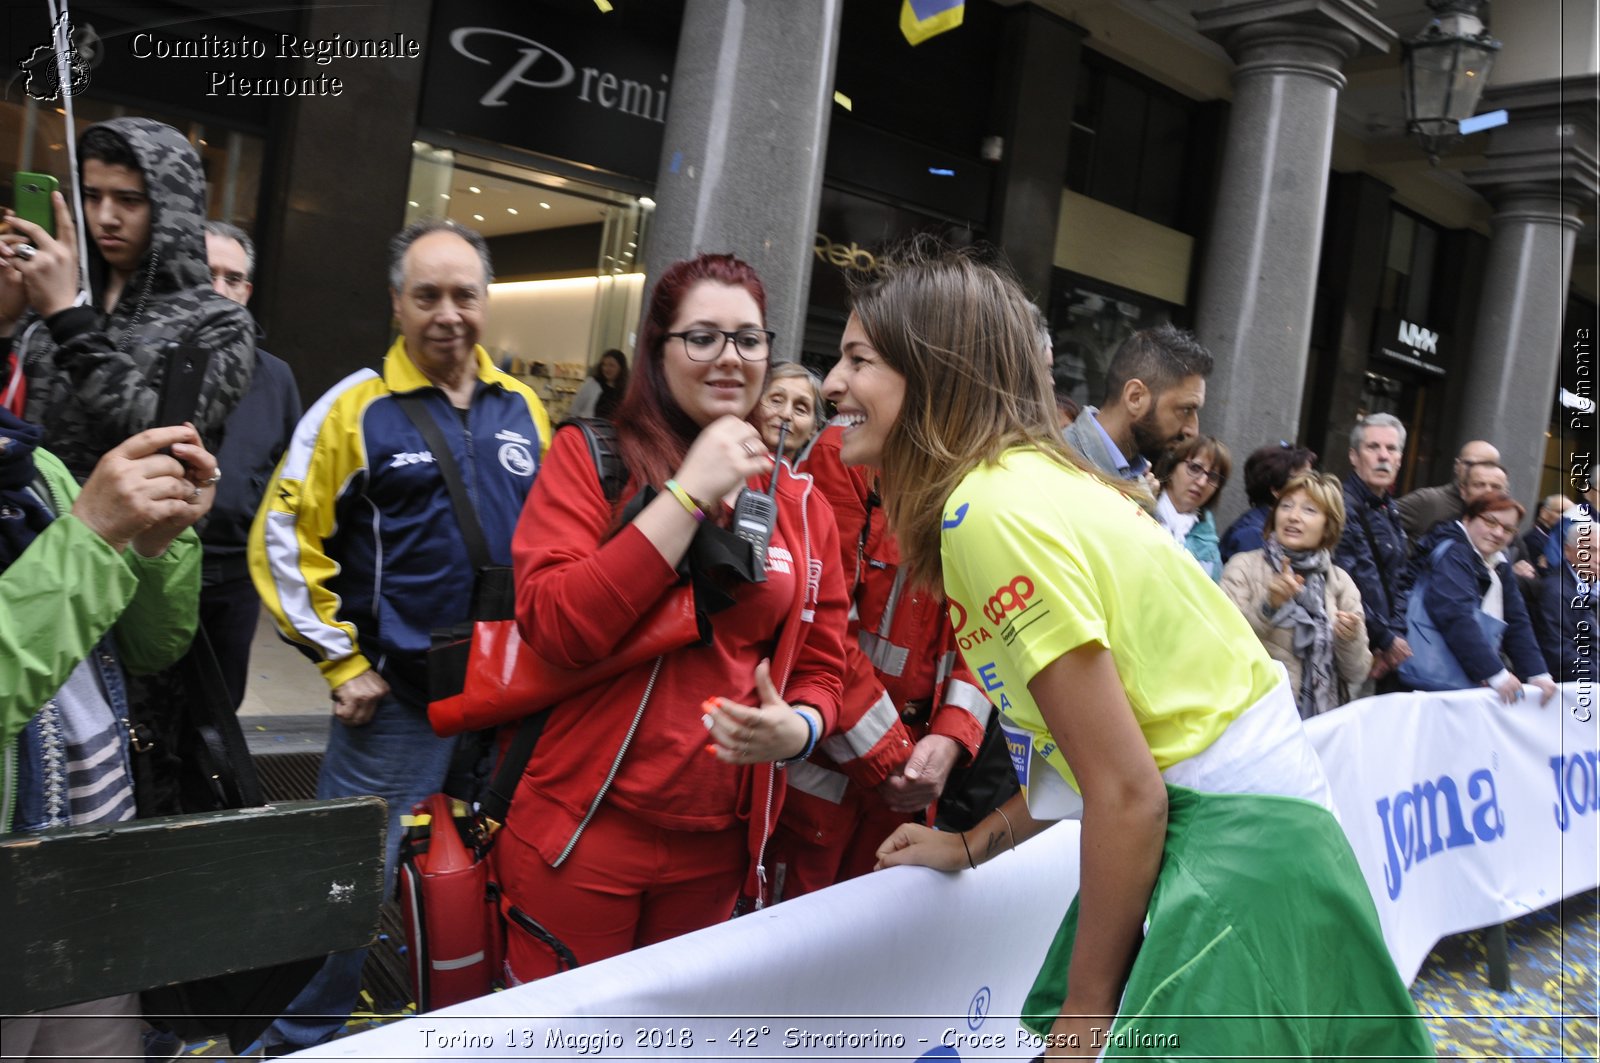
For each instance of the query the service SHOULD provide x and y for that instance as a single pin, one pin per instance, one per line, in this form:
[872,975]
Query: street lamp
[1446,68]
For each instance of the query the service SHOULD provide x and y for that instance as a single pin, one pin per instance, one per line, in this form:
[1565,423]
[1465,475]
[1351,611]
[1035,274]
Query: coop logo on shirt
[1008,599]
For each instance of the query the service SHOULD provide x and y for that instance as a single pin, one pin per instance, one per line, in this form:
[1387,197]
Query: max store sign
[1407,341]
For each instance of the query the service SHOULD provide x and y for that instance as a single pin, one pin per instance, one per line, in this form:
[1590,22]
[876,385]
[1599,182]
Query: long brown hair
[963,335]
[653,432]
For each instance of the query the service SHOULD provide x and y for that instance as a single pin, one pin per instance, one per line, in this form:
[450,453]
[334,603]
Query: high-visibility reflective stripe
[966,696]
[885,656]
[817,781]
[947,664]
[894,600]
[456,965]
[867,732]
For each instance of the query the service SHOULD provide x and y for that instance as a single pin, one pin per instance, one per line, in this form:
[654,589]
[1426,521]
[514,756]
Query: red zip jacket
[903,677]
[577,596]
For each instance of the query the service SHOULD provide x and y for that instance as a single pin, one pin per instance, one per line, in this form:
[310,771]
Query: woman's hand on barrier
[756,734]
[1546,685]
[1508,686]
[727,452]
[920,846]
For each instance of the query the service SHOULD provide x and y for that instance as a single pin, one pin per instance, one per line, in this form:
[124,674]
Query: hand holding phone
[31,199]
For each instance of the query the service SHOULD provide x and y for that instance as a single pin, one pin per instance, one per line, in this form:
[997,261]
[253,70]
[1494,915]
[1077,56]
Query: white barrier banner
[1464,812]
[906,963]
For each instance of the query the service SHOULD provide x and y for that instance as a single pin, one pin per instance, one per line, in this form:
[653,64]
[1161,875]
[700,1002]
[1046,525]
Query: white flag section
[1462,811]
[900,963]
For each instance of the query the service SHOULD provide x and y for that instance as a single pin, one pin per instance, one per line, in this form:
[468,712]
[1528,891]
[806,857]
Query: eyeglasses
[231,278]
[707,344]
[1211,476]
[1503,529]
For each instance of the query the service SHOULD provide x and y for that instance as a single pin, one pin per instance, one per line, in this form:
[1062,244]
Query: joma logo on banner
[1412,819]
[1419,338]
[538,66]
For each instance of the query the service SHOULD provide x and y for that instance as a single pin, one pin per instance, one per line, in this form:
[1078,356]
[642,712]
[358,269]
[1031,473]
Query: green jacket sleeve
[68,588]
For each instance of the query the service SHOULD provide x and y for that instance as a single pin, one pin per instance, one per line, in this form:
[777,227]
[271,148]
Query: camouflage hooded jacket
[93,378]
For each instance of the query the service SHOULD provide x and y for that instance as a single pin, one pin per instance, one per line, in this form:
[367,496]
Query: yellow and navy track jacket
[356,550]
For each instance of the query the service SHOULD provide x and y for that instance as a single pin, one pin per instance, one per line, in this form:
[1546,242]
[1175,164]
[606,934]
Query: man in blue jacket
[1373,547]
[1569,620]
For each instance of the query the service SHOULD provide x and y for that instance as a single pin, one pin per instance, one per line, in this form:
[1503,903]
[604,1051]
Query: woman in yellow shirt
[1142,700]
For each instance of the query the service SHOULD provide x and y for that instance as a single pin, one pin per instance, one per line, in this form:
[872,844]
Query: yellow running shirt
[1040,559]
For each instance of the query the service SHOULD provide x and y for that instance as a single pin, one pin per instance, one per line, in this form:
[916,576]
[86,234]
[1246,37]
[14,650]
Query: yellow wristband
[688,503]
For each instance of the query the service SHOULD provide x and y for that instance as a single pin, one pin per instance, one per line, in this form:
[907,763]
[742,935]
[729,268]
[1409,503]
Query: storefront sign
[1409,342]
[558,77]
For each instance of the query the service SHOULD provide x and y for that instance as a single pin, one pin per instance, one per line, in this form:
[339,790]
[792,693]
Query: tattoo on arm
[995,844]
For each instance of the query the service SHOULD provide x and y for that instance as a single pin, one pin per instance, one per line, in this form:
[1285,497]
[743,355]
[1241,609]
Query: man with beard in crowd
[1155,387]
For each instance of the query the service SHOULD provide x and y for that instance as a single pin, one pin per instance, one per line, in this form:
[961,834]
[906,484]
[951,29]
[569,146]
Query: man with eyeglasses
[254,438]
[1426,506]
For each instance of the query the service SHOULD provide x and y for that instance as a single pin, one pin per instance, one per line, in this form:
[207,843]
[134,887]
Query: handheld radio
[755,514]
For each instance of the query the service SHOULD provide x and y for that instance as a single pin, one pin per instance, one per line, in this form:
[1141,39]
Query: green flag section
[1261,940]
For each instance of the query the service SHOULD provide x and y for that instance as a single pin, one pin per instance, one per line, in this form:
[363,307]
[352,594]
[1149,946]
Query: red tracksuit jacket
[577,595]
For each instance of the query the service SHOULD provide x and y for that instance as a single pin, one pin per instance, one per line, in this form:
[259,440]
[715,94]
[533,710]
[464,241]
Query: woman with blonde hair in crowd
[1305,609]
[1137,696]
[792,395]
[1192,476]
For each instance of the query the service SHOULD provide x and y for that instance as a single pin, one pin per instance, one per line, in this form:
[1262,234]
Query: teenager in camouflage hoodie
[94,372]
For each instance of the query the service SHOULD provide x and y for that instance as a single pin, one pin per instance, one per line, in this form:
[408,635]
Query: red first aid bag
[455,941]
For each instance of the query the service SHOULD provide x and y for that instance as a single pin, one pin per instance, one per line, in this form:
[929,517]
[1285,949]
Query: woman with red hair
[628,827]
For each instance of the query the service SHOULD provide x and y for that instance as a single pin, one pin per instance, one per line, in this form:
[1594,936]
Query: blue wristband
[811,740]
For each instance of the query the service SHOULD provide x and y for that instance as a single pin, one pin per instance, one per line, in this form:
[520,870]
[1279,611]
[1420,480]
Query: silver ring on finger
[213,479]
[194,496]
[26,251]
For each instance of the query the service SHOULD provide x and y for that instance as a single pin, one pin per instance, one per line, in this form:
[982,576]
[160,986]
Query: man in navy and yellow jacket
[358,555]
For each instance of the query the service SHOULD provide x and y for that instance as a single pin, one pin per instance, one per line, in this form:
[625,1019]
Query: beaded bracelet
[688,501]
[811,740]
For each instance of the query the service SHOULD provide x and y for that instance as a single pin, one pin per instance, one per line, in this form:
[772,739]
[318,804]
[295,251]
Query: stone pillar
[1539,172]
[1261,258]
[338,189]
[741,162]
[1036,97]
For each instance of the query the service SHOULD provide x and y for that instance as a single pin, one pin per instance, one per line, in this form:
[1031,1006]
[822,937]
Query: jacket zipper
[783,686]
[616,765]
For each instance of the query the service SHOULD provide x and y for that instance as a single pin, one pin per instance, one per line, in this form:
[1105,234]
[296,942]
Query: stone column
[1036,96]
[337,184]
[1539,173]
[1261,258]
[741,162]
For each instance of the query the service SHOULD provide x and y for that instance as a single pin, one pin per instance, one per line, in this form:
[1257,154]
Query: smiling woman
[625,768]
[1177,752]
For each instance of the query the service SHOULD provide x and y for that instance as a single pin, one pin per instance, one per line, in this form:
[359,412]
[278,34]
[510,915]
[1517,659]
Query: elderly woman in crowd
[793,394]
[1192,475]
[1470,596]
[1305,609]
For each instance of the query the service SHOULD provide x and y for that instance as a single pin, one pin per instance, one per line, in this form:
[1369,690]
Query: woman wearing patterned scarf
[1306,610]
